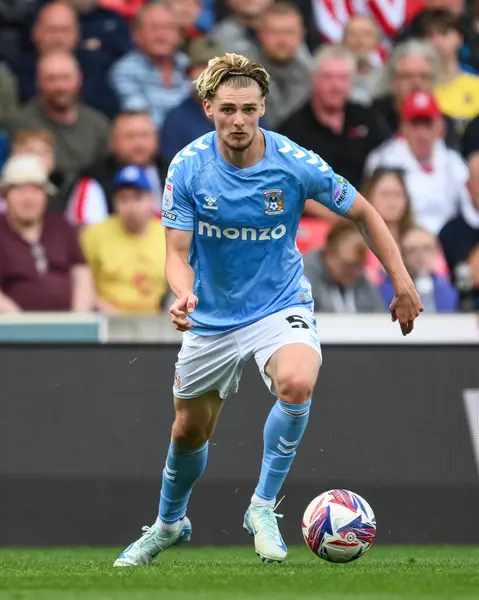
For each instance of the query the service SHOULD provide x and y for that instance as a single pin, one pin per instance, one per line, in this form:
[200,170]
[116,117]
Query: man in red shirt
[41,264]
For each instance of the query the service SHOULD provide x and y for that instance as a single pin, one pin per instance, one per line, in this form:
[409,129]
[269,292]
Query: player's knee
[188,435]
[294,388]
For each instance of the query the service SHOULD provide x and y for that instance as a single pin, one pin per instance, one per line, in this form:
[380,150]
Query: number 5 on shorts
[297,322]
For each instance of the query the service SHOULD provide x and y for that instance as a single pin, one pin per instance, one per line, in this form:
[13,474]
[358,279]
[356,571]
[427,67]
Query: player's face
[236,114]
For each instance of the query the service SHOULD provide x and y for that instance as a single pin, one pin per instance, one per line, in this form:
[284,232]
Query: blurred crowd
[97,96]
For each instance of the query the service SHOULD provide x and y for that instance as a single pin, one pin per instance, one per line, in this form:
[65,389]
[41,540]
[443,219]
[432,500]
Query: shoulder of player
[294,158]
[192,158]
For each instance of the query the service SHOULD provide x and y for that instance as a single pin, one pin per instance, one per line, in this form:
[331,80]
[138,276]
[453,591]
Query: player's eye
[249,110]
[227,110]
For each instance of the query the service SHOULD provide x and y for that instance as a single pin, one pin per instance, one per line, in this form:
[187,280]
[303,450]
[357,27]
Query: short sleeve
[177,207]
[327,187]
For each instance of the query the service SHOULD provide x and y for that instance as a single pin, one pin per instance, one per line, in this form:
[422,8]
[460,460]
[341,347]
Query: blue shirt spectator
[102,31]
[153,77]
[420,251]
[57,29]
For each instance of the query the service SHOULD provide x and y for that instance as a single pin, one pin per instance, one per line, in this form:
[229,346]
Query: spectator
[470,139]
[342,132]
[469,53]
[420,254]
[56,30]
[80,132]
[42,143]
[126,8]
[413,66]
[103,32]
[127,251]
[185,14]
[338,281]
[238,32]
[361,36]
[386,191]
[8,105]
[281,52]
[152,77]
[457,92]
[460,240]
[188,121]
[15,19]
[435,175]
[8,95]
[133,140]
[41,264]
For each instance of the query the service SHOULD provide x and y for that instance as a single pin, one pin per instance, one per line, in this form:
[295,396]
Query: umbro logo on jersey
[210,203]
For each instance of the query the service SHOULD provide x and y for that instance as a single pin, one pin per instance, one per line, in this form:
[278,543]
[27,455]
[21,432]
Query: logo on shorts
[273,202]
[177,384]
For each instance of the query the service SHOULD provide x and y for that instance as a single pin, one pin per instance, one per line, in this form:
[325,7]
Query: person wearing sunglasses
[41,264]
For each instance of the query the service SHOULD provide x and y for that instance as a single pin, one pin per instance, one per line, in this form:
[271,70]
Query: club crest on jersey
[273,202]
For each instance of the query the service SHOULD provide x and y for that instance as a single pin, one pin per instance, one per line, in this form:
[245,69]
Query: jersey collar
[247,170]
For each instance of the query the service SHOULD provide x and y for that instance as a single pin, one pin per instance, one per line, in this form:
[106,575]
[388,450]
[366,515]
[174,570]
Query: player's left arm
[336,193]
[406,305]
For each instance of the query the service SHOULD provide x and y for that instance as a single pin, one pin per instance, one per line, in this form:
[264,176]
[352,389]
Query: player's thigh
[288,351]
[196,418]
[294,369]
[207,364]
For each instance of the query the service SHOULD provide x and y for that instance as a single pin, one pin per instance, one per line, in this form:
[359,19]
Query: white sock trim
[257,501]
[166,527]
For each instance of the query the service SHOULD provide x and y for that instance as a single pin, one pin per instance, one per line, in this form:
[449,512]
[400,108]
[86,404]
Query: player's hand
[180,309]
[405,307]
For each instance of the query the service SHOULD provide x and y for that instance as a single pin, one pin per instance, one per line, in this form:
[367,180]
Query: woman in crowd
[387,192]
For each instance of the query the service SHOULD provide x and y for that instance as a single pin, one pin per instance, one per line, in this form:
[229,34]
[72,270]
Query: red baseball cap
[419,105]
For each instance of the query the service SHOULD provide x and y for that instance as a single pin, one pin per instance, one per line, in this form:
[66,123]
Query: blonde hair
[25,135]
[233,70]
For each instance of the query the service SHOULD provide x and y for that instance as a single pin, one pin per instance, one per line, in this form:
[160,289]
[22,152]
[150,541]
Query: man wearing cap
[41,264]
[435,175]
[127,251]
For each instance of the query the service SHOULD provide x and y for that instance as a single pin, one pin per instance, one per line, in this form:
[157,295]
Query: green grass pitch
[227,573]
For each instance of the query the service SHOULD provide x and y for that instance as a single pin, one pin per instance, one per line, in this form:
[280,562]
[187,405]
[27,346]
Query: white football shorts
[215,362]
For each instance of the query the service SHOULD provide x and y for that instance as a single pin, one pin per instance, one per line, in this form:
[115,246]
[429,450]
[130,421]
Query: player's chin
[239,142]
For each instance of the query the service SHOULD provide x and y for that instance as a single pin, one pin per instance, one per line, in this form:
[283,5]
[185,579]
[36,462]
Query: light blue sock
[283,431]
[182,470]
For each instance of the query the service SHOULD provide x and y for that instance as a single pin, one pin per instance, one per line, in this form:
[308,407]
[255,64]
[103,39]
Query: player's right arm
[180,276]
[179,218]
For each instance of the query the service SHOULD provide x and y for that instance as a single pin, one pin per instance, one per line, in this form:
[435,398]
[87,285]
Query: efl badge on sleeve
[167,203]
[273,202]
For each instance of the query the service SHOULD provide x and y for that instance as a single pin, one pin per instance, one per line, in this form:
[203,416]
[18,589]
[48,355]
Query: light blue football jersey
[244,222]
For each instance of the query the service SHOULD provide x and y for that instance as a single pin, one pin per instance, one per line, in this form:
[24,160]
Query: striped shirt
[139,85]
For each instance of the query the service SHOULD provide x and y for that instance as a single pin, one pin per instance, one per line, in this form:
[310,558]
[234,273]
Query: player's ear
[208,108]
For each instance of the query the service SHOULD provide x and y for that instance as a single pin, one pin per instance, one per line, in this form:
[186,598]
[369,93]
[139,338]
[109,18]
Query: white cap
[23,169]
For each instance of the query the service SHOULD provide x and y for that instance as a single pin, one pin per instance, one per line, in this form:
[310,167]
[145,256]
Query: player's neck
[244,158]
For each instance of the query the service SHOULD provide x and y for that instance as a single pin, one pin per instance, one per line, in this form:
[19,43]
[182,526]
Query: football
[339,526]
